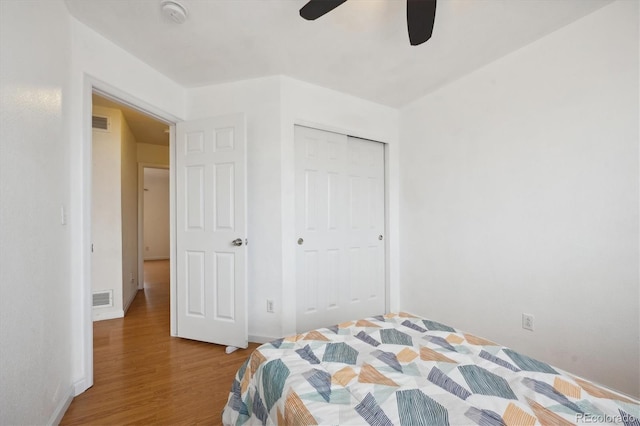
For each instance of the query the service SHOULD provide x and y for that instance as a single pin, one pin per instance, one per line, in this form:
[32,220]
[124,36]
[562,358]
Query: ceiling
[360,48]
[144,128]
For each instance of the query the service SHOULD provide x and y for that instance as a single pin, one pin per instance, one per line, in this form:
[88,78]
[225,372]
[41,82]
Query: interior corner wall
[129,214]
[106,213]
[114,214]
[273,105]
[35,279]
[520,194]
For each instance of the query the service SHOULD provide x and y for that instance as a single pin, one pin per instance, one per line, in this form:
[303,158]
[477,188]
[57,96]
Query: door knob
[237,242]
[300,241]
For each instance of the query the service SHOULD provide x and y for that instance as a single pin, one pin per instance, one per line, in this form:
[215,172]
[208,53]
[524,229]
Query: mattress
[401,369]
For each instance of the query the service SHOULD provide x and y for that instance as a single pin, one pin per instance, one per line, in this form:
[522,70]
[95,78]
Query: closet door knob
[237,242]
[300,241]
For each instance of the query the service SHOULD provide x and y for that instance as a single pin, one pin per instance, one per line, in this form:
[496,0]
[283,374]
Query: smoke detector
[174,11]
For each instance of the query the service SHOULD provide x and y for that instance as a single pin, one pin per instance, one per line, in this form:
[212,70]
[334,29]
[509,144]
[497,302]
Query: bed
[401,369]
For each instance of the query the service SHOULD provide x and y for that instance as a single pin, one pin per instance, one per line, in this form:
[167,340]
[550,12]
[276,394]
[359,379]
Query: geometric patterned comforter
[400,369]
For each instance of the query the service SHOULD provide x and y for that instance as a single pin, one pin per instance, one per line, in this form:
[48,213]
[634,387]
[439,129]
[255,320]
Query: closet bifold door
[339,201]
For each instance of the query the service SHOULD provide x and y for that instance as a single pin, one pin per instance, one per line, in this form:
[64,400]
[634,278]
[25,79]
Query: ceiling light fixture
[174,11]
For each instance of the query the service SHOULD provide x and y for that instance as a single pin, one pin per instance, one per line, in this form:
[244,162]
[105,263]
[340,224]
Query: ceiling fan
[420,16]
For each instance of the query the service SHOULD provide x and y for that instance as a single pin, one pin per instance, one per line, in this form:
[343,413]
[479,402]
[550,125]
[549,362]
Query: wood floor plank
[143,376]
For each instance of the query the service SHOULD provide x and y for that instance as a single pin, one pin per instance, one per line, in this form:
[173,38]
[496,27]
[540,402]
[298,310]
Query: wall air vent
[103,299]
[101,123]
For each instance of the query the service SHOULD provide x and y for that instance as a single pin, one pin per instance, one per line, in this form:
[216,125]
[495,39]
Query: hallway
[144,376]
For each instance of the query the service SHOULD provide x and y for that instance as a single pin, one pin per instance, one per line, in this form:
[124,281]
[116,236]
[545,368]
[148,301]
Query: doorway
[219,145]
[154,198]
[123,139]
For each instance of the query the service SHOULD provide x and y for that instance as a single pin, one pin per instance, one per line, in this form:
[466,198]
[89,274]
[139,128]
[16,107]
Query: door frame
[92,85]
[141,167]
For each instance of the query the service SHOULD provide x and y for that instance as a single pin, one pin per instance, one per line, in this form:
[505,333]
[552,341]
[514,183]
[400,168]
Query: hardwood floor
[144,376]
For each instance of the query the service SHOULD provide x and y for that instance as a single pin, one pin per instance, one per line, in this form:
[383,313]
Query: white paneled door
[211,294]
[340,262]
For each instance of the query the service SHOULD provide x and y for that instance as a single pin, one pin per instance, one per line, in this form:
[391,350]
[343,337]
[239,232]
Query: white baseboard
[128,304]
[106,315]
[80,386]
[156,258]
[62,407]
[261,339]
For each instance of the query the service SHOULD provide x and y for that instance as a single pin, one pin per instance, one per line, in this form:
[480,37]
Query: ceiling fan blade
[316,8]
[421,16]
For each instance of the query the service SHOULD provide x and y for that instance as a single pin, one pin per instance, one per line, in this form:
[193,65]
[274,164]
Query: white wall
[35,279]
[156,214]
[106,213]
[520,194]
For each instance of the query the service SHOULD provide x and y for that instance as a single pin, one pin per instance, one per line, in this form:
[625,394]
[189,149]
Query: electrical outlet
[527,322]
[270,307]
